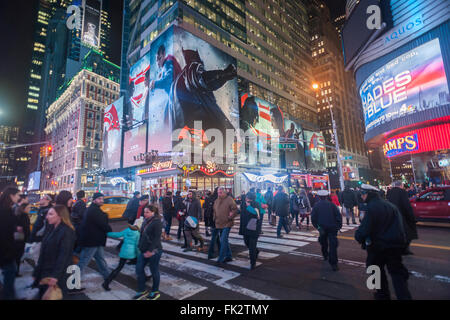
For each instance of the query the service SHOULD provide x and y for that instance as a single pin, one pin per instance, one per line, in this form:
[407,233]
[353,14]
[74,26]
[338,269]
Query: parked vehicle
[432,204]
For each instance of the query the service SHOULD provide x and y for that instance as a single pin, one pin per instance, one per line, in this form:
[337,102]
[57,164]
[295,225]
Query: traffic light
[49,150]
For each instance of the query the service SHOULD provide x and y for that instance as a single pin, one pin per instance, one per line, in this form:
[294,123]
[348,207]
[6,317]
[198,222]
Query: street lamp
[315,86]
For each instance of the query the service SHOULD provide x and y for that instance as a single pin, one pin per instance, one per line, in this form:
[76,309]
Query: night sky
[16,30]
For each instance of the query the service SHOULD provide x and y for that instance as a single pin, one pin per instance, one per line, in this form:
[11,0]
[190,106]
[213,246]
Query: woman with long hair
[151,251]
[22,213]
[56,250]
[8,234]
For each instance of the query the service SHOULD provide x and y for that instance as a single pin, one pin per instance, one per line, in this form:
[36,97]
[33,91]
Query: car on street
[432,204]
[114,206]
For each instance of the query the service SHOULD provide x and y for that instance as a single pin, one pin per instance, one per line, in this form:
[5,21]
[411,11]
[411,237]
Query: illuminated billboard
[315,150]
[133,146]
[295,159]
[138,89]
[417,141]
[112,135]
[91,22]
[34,181]
[411,83]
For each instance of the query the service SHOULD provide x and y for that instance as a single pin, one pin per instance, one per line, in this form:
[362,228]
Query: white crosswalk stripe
[182,270]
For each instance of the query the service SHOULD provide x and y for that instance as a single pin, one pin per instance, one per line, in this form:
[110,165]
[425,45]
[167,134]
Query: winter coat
[260,200]
[131,210]
[326,215]
[335,200]
[150,239]
[8,225]
[56,253]
[37,233]
[178,203]
[23,220]
[78,210]
[168,206]
[194,208]
[293,203]
[281,204]
[208,212]
[268,196]
[382,224]
[222,209]
[399,198]
[129,249]
[348,198]
[94,227]
[246,215]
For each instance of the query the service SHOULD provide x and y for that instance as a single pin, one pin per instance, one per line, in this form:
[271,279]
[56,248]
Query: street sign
[287,146]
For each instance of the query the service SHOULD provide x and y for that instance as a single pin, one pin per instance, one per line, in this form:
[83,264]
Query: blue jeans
[225,250]
[168,219]
[153,263]
[86,256]
[9,277]
[282,222]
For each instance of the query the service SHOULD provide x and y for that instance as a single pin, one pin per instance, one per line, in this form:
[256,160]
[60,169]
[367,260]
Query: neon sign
[396,146]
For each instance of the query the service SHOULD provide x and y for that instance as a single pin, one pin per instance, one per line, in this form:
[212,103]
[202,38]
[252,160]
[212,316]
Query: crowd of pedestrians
[70,233]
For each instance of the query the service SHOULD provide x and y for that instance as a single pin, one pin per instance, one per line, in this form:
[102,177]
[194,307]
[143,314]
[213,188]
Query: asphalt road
[289,269]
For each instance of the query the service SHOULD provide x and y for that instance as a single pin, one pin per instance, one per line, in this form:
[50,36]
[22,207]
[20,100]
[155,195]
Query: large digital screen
[91,22]
[34,181]
[112,135]
[295,158]
[315,150]
[134,145]
[413,82]
[138,89]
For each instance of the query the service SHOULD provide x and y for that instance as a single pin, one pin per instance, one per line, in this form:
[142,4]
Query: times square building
[183,62]
[402,73]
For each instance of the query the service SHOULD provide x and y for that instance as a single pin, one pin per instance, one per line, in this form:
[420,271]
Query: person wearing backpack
[304,208]
[191,231]
[250,226]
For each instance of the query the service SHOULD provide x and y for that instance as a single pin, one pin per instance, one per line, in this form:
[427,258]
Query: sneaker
[75,291]
[228,260]
[141,295]
[153,296]
[106,286]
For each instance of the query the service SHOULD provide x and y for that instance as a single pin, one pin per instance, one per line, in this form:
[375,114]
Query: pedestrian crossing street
[186,274]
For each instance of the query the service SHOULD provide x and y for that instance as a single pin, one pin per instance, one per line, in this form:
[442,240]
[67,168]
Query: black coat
[178,203]
[8,225]
[382,224]
[348,198]
[132,209]
[281,204]
[399,198]
[325,214]
[56,253]
[194,209]
[245,217]
[151,231]
[208,212]
[94,227]
[78,210]
[40,223]
[168,206]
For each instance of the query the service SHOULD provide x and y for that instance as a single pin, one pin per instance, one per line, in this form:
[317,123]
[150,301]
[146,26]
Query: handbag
[252,224]
[53,292]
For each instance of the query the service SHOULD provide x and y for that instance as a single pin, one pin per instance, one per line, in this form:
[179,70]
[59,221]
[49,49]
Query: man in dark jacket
[399,198]
[132,208]
[37,233]
[382,234]
[208,212]
[326,218]
[349,201]
[94,229]
[281,208]
[78,210]
[168,213]
[268,196]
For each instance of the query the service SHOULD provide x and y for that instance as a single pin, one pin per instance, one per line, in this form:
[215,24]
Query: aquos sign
[396,146]
[404,29]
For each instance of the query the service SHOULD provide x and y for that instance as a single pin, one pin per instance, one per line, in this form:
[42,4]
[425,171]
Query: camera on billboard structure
[413,82]
[112,135]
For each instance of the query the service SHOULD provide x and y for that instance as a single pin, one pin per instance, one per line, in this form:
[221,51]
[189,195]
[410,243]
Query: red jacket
[140,211]
[335,200]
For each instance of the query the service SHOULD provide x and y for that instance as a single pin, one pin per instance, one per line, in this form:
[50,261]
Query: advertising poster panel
[133,146]
[91,22]
[261,118]
[295,158]
[413,82]
[315,150]
[34,181]
[112,134]
[138,88]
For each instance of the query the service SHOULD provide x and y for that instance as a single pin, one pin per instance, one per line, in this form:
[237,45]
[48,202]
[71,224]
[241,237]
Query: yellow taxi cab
[114,206]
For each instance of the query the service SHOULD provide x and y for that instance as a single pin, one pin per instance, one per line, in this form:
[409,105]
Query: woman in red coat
[334,199]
